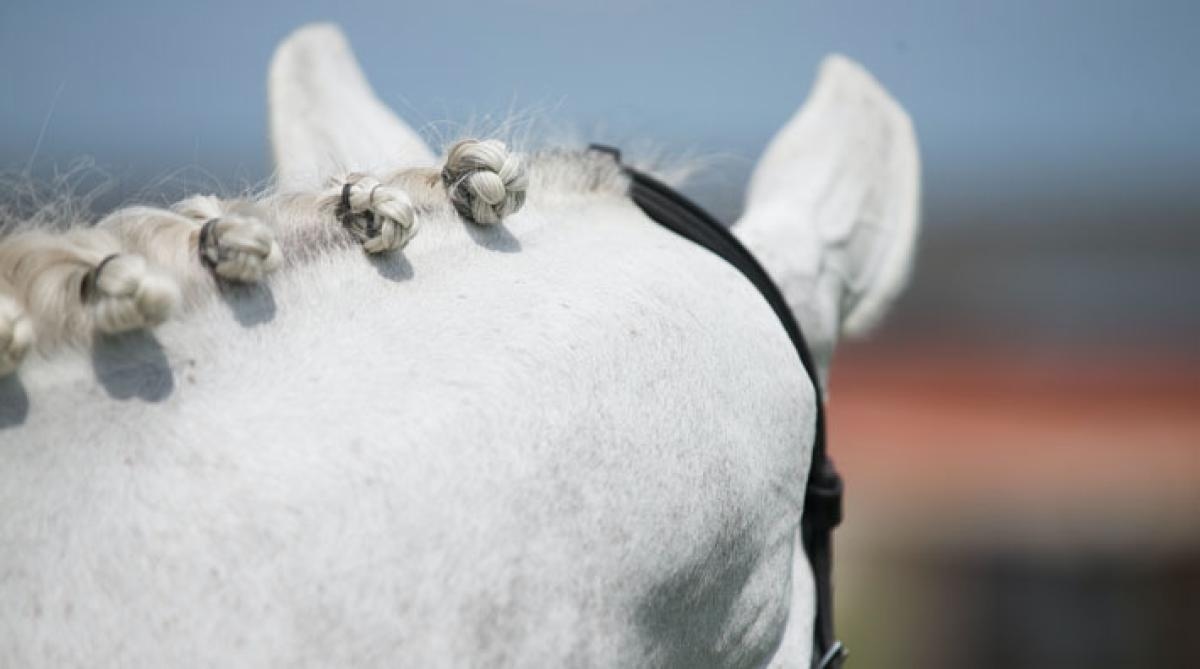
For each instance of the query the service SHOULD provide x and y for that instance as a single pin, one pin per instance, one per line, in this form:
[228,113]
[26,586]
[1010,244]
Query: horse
[411,410]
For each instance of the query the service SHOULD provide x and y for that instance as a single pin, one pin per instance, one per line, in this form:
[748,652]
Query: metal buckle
[833,658]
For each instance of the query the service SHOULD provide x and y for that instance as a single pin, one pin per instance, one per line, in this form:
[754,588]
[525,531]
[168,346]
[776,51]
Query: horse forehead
[487,418]
[559,290]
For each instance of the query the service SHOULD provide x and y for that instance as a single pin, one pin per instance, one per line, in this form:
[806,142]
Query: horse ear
[832,207]
[324,117]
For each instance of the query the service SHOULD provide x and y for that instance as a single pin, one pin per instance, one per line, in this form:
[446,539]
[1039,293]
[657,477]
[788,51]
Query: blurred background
[1021,441]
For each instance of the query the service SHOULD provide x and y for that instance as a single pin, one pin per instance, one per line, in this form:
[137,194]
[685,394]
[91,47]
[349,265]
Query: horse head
[404,408]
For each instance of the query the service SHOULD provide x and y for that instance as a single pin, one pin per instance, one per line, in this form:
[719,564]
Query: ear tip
[304,44]
[839,61]
[321,32]
[840,67]
[844,77]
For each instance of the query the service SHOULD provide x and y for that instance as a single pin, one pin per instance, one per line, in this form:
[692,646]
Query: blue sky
[1012,95]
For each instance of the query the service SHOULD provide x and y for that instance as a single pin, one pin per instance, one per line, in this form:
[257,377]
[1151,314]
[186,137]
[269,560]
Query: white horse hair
[544,431]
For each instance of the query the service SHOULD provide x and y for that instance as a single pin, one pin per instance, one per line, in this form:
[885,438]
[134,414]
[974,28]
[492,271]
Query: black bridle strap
[823,496]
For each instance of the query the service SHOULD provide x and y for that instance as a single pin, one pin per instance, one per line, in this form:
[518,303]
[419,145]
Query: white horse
[568,439]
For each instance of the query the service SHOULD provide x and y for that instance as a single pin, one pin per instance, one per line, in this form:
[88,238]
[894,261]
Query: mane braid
[139,266]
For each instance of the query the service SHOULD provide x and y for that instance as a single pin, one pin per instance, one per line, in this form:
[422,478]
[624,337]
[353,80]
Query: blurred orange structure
[1018,507]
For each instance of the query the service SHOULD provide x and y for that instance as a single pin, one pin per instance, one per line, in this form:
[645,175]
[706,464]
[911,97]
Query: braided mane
[139,266]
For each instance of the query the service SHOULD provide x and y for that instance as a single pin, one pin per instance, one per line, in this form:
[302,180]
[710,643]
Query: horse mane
[66,274]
